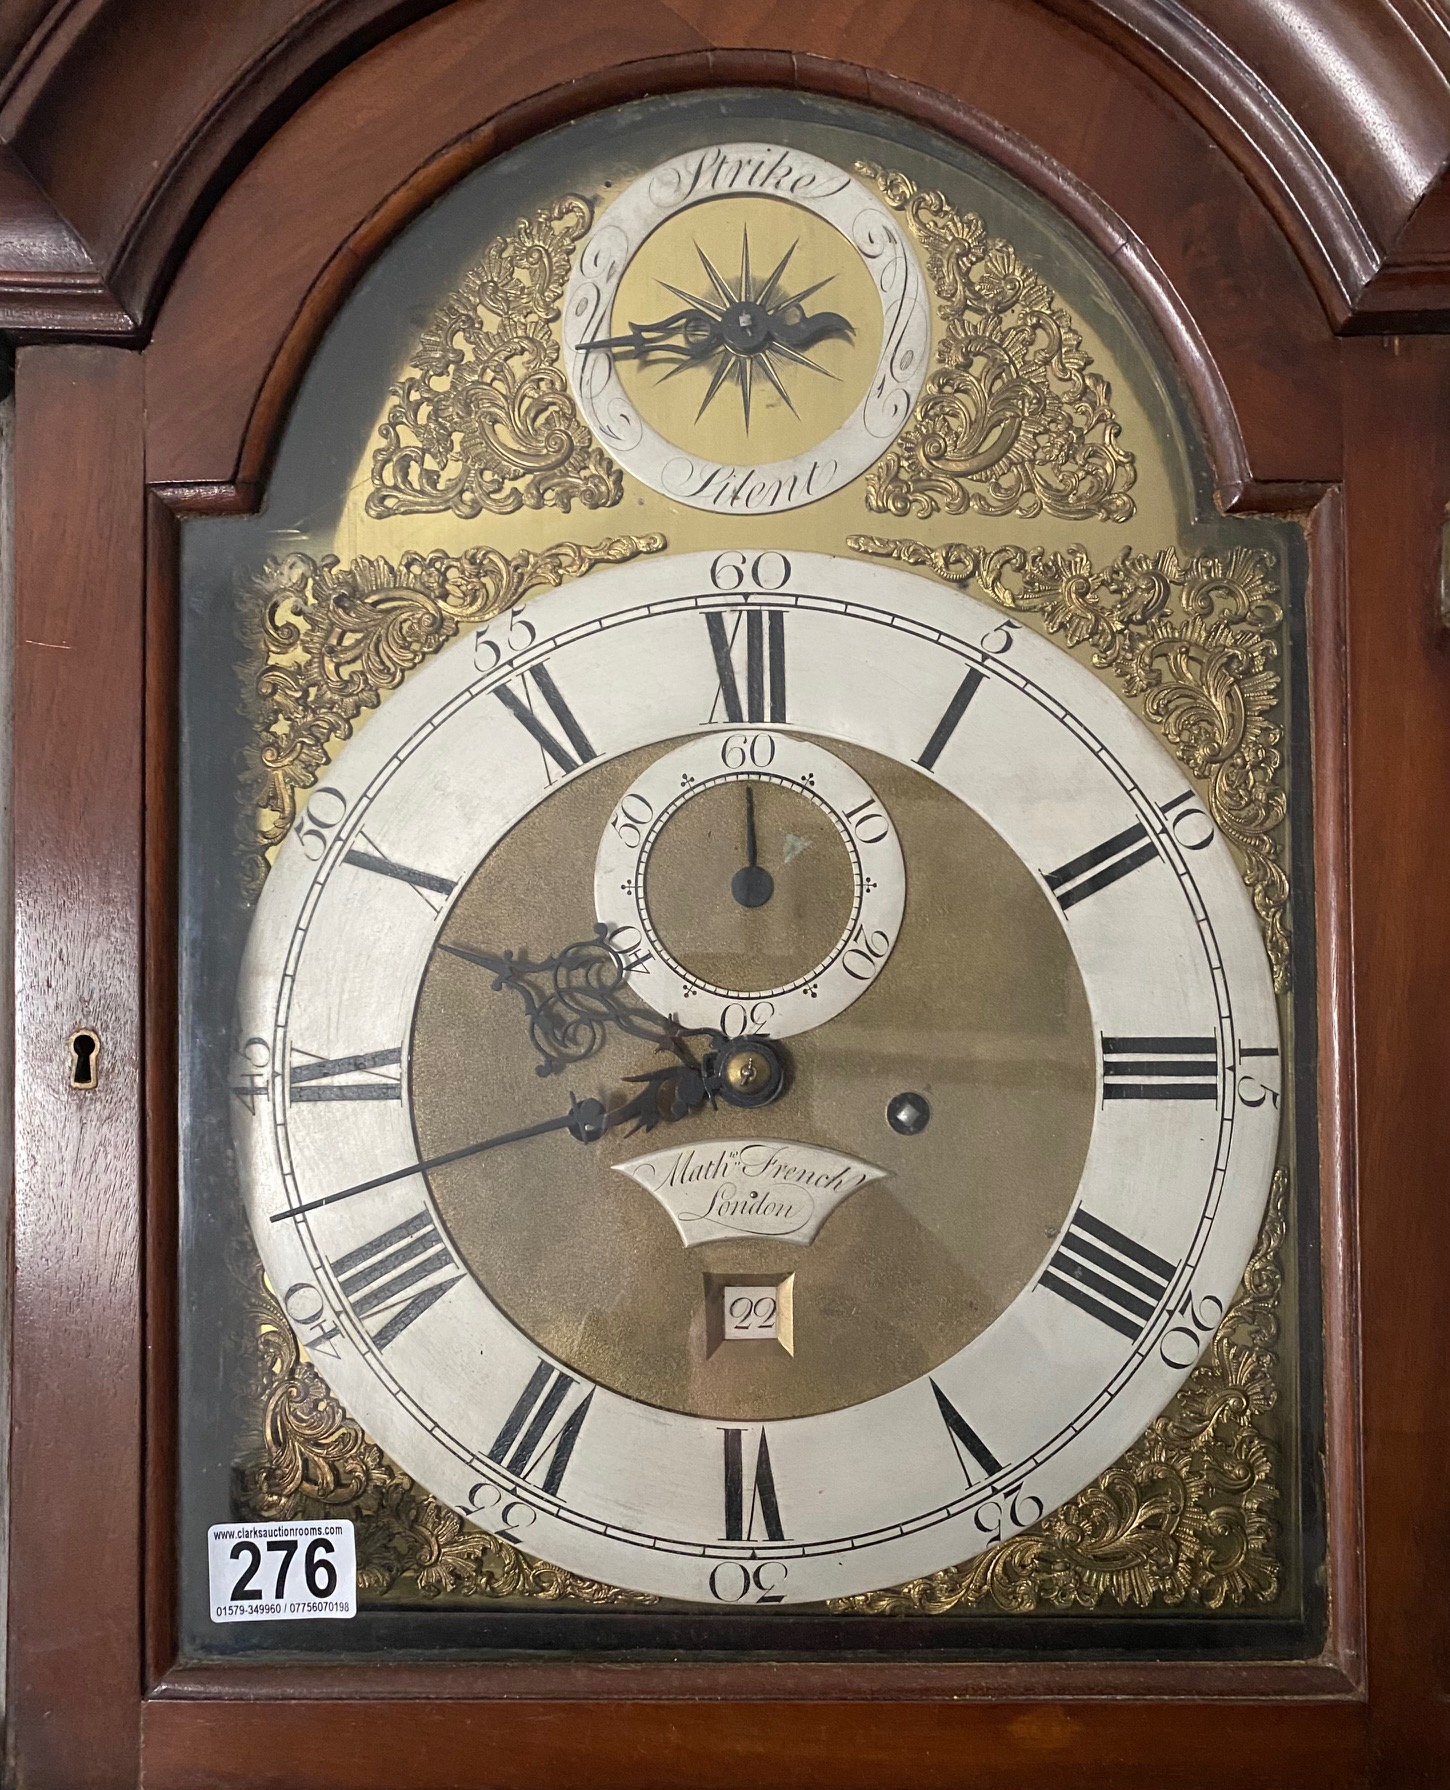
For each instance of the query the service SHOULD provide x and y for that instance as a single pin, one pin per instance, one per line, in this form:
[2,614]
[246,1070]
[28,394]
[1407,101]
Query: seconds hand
[751,885]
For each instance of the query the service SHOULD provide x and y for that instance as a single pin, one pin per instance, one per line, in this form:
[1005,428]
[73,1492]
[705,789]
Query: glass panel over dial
[745,1064]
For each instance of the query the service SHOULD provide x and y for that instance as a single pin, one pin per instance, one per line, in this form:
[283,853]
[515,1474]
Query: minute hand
[588,1120]
[585,1118]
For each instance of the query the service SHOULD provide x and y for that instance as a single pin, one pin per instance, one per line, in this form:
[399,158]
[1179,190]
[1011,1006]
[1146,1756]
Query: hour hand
[792,328]
[687,335]
[571,1001]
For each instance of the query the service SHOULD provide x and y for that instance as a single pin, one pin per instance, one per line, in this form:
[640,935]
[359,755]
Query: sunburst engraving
[735,331]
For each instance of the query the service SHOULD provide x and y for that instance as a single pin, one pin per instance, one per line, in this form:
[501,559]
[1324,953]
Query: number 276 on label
[281,1572]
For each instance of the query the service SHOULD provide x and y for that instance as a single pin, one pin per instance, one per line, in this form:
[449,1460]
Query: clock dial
[770,346]
[747,328]
[983,1209]
[723,931]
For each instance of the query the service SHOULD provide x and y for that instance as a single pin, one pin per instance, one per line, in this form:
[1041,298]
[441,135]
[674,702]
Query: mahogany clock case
[311,503]
[168,285]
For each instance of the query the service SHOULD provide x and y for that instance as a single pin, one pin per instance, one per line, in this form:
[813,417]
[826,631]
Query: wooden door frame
[180,415]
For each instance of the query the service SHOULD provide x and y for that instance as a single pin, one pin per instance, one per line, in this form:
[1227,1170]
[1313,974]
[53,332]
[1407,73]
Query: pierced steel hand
[739,328]
[699,336]
[672,1093]
[751,885]
[742,328]
[571,999]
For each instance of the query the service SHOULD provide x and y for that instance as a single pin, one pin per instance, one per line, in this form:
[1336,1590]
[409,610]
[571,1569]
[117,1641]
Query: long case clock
[744,1023]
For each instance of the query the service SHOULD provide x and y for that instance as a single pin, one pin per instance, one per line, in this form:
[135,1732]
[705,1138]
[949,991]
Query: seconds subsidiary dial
[777,945]
[749,1055]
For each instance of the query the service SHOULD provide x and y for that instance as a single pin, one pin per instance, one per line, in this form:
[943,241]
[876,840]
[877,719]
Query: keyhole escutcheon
[85,1058]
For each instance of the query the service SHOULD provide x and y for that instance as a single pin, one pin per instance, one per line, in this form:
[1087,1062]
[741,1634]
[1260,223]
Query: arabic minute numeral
[630,819]
[1005,1515]
[518,635]
[756,750]
[1252,1089]
[253,1083]
[320,819]
[735,1582]
[1189,824]
[865,954]
[1002,635]
[307,1309]
[497,1511]
[763,1508]
[1182,1343]
[869,825]
[628,945]
[766,571]
[1108,1275]
[741,1019]
[394,1274]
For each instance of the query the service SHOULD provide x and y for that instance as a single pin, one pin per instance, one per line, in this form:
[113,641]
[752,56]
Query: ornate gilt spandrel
[1186,1517]
[1014,420]
[1193,640]
[334,639]
[1030,413]
[482,422]
[308,1459]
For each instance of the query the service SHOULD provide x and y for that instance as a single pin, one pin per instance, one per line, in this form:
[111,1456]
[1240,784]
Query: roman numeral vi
[740,1524]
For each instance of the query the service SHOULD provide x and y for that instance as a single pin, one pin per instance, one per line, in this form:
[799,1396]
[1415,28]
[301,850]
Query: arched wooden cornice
[122,120]
[1069,115]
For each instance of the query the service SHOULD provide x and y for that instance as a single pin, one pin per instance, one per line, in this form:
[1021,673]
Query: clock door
[744,992]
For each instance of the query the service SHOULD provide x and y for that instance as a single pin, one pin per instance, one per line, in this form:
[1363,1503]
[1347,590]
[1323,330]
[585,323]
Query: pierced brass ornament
[483,419]
[335,637]
[1194,641]
[1013,420]
[1185,1516]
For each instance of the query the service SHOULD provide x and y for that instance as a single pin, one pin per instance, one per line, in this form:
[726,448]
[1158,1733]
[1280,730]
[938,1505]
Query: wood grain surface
[76,1361]
[1397,393]
[720,1746]
[356,163]
[133,115]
